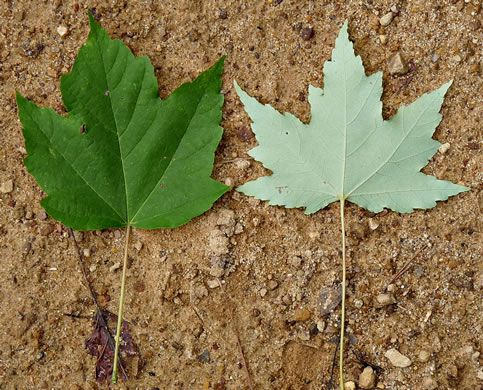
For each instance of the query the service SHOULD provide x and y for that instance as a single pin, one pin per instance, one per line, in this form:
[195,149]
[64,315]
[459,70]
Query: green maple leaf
[348,151]
[123,156]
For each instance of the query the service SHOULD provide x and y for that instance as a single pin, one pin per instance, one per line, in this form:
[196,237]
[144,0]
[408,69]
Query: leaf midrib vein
[172,159]
[126,217]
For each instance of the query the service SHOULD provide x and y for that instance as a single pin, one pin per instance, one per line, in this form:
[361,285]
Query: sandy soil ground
[276,265]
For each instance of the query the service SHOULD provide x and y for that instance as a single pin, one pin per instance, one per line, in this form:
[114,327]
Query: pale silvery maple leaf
[348,151]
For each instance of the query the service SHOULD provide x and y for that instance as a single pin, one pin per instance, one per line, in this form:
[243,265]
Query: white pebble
[386,19]
[242,164]
[62,31]
[444,148]
[373,225]
[115,266]
[397,359]
[350,385]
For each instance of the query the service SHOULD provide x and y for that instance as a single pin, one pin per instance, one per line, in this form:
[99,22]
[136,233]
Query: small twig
[99,313]
[405,267]
[235,331]
[334,360]
[365,362]
[77,316]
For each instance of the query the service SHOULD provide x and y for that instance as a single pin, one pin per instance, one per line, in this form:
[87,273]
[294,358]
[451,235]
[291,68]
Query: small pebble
[295,261]
[424,356]
[314,235]
[286,300]
[304,335]
[307,33]
[242,164]
[26,247]
[394,9]
[217,269]
[115,266]
[238,228]
[373,225]
[19,213]
[429,383]
[92,267]
[329,298]
[386,19]
[226,217]
[349,385]
[263,292]
[47,229]
[474,68]
[204,357]
[229,182]
[42,215]
[382,300]
[79,236]
[435,58]
[358,230]
[475,24]
[367,379]
[86,252]
[383,39]
[456,58]
[6,187]
[444,148]
[272,285]
[397,359]
[222,14]
[320,325]
[51,72]
[213,283]
[397,64]
[62,31]
[138,245]
[302,315]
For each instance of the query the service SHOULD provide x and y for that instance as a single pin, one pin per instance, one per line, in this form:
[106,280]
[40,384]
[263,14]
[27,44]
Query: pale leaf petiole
[342,318]
[121,304]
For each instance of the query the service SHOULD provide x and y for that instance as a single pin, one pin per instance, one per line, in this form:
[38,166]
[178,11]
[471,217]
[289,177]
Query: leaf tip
[93,23]
[19,97]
